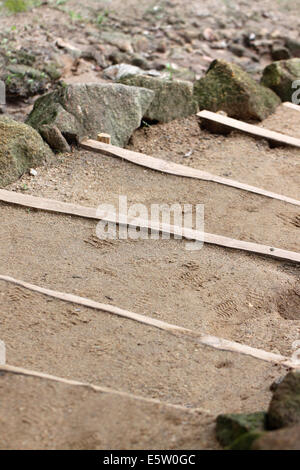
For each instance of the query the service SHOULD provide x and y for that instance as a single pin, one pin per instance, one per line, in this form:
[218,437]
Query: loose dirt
[238,296]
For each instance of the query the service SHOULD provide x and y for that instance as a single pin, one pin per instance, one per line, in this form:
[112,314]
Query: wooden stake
[106,138]
[250,129]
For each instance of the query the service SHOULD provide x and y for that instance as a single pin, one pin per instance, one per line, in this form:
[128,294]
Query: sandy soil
[231,294]
[246,298]
[42,414]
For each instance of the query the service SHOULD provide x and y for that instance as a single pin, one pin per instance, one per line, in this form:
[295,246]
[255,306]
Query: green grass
[20,6]
[16,6]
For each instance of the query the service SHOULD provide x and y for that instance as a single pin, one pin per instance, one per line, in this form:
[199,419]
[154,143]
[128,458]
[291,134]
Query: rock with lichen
[226,87]
[21,148]
[173,99]
[231,427]
[23,81]
[26,73]
[85,110]
[281,76]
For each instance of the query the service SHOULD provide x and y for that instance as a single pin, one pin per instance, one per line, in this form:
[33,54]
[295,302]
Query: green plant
[16,6]
[20,6]
[75,16]
[101,17]
[171,71]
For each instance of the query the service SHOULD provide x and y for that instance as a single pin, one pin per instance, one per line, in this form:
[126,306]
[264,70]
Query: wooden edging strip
[176,169]
[190,234]
[250,128]
[293,106]
[206,340]
[97,388]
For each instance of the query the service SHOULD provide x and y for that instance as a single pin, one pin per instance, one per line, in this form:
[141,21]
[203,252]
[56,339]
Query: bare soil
[238,296]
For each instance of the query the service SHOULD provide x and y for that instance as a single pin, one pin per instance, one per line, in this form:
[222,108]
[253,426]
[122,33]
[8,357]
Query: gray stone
[280,75]
[85,110]
[280,53]
[120,40]
[173,98]
[227,87]
[115,72]
[54,138]
[21,148]
[293,46]
[284,409]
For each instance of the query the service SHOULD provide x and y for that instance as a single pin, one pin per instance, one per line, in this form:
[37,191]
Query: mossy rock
[21,148]
[284,409]
[173,98]
[23,81]
[226,87]
[231,427]
[22,56]
[245,442]
[279,76]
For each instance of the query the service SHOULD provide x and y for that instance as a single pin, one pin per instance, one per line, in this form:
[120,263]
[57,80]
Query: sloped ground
[51,416]
[247,298]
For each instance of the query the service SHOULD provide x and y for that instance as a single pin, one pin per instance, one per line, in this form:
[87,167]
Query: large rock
[173,98]
[226,87]
[284,409]
[230,427]
[284,439]
[280,75]
[21,148]
[85,110]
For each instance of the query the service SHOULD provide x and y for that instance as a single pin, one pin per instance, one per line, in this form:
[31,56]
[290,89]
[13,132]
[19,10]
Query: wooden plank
[194,336]
[290,105]
[121,219]
[250,128]
[176,169]
[97,388]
